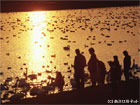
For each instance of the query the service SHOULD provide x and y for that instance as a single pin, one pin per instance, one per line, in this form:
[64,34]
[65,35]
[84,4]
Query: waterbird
[32,76]
[67,48]
[35,91]
[4,87]
[109,44]
[16,96]
[1,73]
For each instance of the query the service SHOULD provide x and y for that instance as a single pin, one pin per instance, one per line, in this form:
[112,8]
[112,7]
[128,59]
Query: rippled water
[37,40]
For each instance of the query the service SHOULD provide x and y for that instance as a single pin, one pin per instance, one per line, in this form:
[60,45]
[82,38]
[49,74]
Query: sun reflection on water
[38,47]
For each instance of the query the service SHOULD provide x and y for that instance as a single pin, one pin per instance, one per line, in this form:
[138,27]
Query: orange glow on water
[38,46]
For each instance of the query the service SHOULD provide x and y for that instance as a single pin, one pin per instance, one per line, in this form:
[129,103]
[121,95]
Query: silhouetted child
[59,81]
[102,72]
[113,78]
[134,67]
[115,70]
[112,72]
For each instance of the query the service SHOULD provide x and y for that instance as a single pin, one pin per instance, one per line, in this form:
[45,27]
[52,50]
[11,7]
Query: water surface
[37,40]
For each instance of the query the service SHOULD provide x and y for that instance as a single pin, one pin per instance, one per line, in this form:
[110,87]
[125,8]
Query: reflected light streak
[38,47]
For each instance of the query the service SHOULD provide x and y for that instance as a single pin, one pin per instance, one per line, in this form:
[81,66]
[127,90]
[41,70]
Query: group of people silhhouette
[97,69]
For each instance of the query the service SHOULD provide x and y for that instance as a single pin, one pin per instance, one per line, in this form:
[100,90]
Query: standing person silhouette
[117,68]
[93,67]
[127,64]
[79,64]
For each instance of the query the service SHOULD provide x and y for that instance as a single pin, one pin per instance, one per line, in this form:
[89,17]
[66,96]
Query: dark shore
[90,95]
[21,6]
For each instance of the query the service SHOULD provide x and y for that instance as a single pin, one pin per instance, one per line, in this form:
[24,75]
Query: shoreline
[89,95]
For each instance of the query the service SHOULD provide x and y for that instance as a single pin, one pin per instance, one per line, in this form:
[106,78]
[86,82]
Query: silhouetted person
[117,68]
[112,72]
[59,81]
[93,67]
[127,64]
[79,64]
[134,67]
[113,78]
[102,72]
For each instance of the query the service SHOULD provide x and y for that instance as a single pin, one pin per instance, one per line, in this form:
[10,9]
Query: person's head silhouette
[77,51]
[91,50]
[115,58]
[125,53]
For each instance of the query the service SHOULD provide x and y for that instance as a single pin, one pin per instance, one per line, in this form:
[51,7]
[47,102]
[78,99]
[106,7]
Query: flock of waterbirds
[103,21]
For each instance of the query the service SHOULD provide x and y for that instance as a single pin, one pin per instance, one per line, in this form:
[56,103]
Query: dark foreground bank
[128,91]
[19,6]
